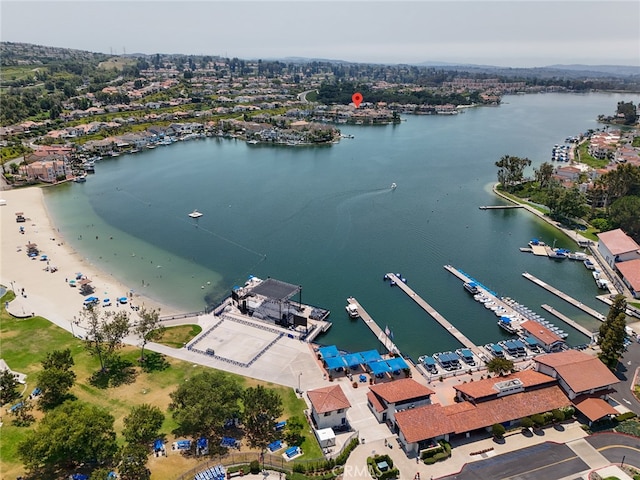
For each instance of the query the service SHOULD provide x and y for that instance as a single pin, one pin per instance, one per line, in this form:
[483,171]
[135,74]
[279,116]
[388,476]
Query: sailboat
[195,214]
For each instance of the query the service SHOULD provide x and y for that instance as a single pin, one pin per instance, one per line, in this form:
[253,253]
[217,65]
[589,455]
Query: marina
[564,297]
[567,320]
[374,327]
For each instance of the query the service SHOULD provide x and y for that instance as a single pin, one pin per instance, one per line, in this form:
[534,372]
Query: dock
[499,207]
[374,327]
[567,320]
[436,316]
[565,297]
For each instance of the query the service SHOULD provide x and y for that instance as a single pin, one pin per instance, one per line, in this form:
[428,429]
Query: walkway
[374,327]
[567,320]
[435,315]
[565,297]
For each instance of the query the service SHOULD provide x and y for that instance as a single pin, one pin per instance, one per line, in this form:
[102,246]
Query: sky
[508,33]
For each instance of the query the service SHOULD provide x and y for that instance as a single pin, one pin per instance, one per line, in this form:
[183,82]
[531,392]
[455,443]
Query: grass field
[26,342]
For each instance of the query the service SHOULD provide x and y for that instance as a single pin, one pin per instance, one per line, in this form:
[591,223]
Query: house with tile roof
[329,406]
[385,399]
[549,341]
[616,246]
[584,378]
[630,273]
[503,400]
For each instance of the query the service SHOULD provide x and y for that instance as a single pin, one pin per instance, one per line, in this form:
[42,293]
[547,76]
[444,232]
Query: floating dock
[436,316]
[499,207]
[374,327]
[567,320]
[565,297]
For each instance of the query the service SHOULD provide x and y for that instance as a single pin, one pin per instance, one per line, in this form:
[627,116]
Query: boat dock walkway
[499,207]
[436,316]
[373,326]
[567,320]
[565,297]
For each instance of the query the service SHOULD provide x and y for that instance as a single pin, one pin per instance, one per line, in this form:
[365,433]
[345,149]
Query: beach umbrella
[122,299]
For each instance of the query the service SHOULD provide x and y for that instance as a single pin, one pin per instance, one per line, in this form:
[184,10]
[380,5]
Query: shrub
[342,458]
[625,416]
[538,419]
[497,430]
[558,415]
[526,422]
[254,467]
[442,453]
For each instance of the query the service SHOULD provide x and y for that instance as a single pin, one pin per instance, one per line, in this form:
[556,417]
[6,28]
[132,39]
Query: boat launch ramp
[435,315]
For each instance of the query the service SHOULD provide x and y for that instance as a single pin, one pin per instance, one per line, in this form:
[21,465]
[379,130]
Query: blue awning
[397,363]
[328,352]
[504,319]
[379,367]
[353,359]
[371,356]
[334,362]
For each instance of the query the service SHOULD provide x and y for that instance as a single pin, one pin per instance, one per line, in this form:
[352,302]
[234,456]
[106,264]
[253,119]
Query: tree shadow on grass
[119,372]
[154,362]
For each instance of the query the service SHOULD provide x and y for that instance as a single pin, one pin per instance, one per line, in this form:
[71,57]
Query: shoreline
[49,294]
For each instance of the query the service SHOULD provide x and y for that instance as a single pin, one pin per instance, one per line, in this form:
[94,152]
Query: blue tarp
[371,356]
[504,319]
[334,362]
[353,359]
[379,367]
[397,363]
[202,442]
[329,352]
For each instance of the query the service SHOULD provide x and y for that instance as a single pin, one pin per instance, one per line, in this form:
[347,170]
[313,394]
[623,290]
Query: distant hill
[608,69]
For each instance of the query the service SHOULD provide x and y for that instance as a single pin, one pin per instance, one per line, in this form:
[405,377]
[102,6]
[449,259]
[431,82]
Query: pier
[436,316]
[567,320]
[565,297]
[374,327]
[499,207]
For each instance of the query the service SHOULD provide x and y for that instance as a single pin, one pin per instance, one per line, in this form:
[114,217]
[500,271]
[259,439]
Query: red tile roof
[582,372]
[630,270]
[404,389]
[435,420]
[618,242]
[486,388]
[595,408]
[375,402]
[328,399]
[540,332]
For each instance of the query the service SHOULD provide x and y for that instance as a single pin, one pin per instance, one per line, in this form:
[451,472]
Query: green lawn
[26,342]
[176,337]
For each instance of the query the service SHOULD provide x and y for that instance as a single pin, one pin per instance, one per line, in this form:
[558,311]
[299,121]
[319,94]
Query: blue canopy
[371,356]
[353,359]
[183,444]
[329,352]
[531,341]
[202,442]
[158,445]
[334,362]
[397,363]
[379,367]
[504,319]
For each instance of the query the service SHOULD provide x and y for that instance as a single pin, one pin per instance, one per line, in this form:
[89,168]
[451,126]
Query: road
[302,97]
[614,447]
[626,372]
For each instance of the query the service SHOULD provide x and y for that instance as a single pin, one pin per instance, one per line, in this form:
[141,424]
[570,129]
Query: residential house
[584,378]
[616,246]
[385,399]
[329,407]
[48,171]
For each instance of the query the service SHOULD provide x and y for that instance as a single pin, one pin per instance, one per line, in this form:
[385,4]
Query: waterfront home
[588,392]
[329,407]
[385,399]
[630,273]
[48,171]
[616,246]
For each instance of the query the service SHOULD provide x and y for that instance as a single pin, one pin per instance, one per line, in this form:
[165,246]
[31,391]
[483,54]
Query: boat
[602,283]
[471,287]
[534,242]
[578,256]
[589,264]
[526,249]
[352,310]
[393,186]
[558,253]
[195,214]
[80,179]
[506,324]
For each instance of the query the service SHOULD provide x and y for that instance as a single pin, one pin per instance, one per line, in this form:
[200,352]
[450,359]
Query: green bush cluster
[344,455]
[625,416]
[432,456]
[373,462]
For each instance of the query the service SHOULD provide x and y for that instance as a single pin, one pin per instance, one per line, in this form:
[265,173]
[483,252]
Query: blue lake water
[326,218]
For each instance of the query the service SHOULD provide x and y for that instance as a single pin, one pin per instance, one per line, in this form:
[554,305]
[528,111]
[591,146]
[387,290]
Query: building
[385,399]
[616,246]
[588,392]
[329,407]
[49,171]
[630,273]
[549,341]
[500,400]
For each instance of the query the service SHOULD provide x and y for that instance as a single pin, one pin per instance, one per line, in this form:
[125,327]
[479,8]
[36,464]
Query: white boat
[352,310]
[195,214]
[578,256]
[393,186]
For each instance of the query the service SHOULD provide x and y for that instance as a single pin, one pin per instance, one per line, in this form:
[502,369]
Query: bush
[437,454]
[254,467]
[497,430]
[625,416]
[538,419]
[342,458]
[558,415]
[526,422]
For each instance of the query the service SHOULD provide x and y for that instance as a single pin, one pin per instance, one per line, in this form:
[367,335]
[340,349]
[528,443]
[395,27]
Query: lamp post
[299,377]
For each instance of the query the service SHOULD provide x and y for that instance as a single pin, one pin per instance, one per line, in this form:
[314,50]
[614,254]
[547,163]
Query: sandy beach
[47,293]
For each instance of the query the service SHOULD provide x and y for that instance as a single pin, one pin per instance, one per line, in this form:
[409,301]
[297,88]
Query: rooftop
[486,388]
[572,365]
[399,390]
[328,399]
[618,242]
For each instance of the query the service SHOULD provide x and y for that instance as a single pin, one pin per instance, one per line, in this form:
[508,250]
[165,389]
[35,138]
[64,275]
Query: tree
[499,365]
[526,422]
[543,174]
[511,171]
[625,213]
[142,424]
[261,409]
[612,333]
[203,404]
[293,431]
[537,419]
[133,464]
[70,434]
[8,387]
[56,378]
[497,430]
[148,328]
[558,415]
[105,333]
[22,416]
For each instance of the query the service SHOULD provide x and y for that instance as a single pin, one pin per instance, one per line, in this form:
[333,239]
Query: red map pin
[357,99]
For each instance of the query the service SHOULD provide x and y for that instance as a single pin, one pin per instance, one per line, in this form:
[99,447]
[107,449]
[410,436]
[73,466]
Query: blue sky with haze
[514,33]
